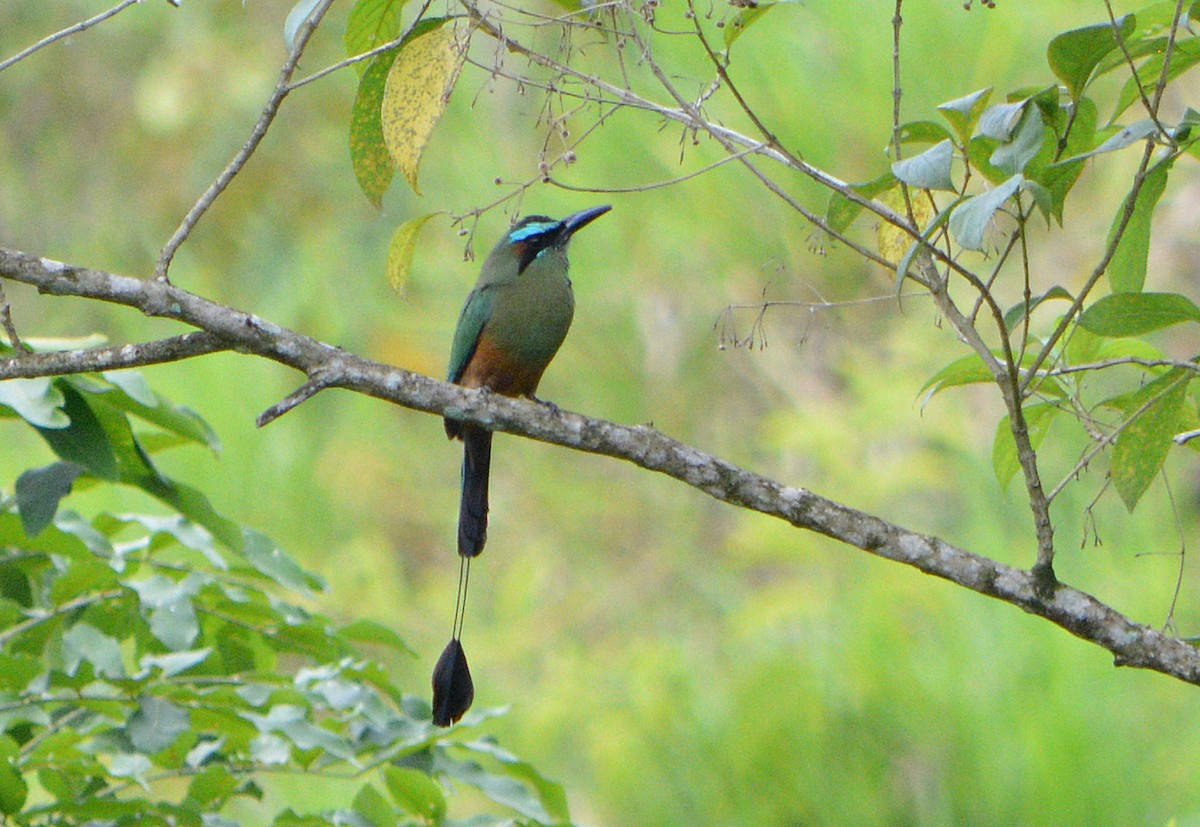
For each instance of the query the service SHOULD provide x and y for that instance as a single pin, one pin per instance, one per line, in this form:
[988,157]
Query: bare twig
[243,155]
[67,32]
[6,321]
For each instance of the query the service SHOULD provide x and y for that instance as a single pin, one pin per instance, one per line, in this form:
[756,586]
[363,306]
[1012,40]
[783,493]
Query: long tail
[473,508]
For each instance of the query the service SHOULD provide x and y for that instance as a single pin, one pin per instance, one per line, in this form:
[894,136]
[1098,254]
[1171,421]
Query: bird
[511,326]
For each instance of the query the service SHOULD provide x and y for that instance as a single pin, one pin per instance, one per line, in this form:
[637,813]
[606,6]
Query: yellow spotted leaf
[400,253]
[894,242]
[418,88]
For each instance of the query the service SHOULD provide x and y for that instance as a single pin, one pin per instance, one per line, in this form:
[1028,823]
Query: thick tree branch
[116,357]
[1131,643]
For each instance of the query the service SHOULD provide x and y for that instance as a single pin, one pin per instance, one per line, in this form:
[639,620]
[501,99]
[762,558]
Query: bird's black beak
[573,223]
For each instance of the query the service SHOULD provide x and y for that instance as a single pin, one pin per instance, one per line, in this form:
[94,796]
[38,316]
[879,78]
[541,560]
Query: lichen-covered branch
[1131,643]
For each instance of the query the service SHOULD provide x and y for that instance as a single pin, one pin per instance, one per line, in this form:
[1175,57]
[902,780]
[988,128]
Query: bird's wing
[475,314]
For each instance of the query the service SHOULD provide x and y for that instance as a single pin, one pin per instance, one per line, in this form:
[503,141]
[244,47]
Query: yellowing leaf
[418,88]
[894,242]
[400,252]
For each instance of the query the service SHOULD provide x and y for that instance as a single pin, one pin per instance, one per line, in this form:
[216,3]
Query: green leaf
[84,441]
[401,250]
[271,560]
[39,491]
[1074,54]
[416,793]
[1017,312]
[369,631]
[926,234]
[1059,178]
[744,19]
[930,170]
[131,765]
[213,787]
[841,211]
[963,113]
[551,792]
[13,789]
[296,18]
[129,396]
[923,132]
[37,401]
[1144,443]
[1013,155]
[371,24]
[499,788]
[168,604]
[155,724]
[368,151]
[1126,136]
[1185,55]
[175,663]
[373,807]
[999,122]
[1127,269]
[1038,418]
[1133,314]
[84,642]
[969,222]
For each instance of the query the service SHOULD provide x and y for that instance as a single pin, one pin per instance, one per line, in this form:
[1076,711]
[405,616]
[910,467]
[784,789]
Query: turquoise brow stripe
[531,230]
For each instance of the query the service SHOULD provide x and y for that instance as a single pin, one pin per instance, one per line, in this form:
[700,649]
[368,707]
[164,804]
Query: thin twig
[67,32]
[10,329]
[243,155]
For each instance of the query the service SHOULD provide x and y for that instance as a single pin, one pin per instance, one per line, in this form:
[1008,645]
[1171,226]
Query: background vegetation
[669,659]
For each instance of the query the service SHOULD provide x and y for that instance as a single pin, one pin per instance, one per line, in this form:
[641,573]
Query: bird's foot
[554,409]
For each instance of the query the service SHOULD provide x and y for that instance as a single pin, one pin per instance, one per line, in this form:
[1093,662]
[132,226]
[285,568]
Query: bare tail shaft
[473,509]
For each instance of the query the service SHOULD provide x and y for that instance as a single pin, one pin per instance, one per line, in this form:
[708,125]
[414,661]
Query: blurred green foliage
[669,659]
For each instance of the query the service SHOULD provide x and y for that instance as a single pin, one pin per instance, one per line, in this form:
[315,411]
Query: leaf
[418,87]
[365,630]
[176,663]
[416,793]
[156,409]
[269,559]
[963,113]
[1005,463]
[1000,121]
[373,807]
[368,151]
[1127,269]
[744,19]
[131,765]
[893,241]
[1127,136]
[401,250]
[84,642]
[37,401]
[1185,55]
[1074,54]
[841,211]
[969,222]
[926,234]
[500,788]
[1144,443]
[1014,155]
[13,789]
[39,491]
[922,132]
[371,24]
[1133,314]
[296,18]
[930,170]
[84,441]
[156,724]
[1017,312]
[551,793]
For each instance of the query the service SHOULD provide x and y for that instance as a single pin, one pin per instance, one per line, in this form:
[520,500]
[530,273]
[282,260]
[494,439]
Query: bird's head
[534,234]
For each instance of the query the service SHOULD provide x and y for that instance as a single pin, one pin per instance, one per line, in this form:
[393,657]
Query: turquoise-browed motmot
[510,328]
